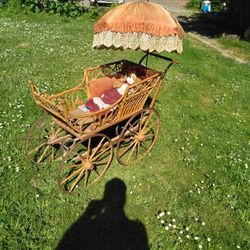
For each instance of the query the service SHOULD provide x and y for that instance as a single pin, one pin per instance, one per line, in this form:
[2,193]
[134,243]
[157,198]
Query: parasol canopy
[139,25]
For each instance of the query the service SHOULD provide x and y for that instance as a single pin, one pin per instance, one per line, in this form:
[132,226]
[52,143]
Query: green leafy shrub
[3,3]
[67,8]
[194,4]
[11,3]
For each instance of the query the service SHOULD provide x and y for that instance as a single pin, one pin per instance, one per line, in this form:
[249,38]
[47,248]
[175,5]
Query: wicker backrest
[137,95]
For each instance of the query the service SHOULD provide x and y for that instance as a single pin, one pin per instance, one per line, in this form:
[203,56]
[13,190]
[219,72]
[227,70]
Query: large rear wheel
[40,140]
[138,136]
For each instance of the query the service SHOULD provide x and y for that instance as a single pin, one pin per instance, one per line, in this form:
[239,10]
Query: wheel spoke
[146,129]
[132,131]
[140,122]
[96,148]
[37,148]
[77,180]
[99,162]
[138,149]
[70,176]
[128,148]
[97,172]
[72,166]
[89,148]
[148,119]
[101,153]
[86,178]
[131,152]
[44,152]
[53,153]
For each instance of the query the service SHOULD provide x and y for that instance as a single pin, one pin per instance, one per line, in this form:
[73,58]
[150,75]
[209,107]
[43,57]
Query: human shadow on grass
[104,224]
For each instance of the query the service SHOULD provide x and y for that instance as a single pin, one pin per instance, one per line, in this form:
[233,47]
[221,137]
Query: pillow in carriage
[97,87]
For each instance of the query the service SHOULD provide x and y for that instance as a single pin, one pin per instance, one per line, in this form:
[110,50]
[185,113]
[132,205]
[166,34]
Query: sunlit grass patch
[198,170]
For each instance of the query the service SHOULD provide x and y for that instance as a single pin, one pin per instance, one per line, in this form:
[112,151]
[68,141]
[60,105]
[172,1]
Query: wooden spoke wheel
[85,163]
[138,136]
[39,144]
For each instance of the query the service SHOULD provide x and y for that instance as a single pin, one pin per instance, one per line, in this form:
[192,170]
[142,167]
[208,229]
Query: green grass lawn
[239,47]
[197,174]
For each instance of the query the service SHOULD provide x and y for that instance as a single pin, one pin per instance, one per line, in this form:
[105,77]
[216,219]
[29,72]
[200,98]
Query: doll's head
[132,78]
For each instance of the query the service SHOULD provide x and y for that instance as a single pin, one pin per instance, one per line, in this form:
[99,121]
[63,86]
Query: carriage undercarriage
[84,146]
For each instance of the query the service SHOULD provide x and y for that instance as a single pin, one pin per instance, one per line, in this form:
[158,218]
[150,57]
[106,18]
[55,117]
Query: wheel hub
[88,165]
[140,137]
[51,138]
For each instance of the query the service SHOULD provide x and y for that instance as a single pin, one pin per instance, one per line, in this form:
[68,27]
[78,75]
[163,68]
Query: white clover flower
[200,246]
[174,226]
[187,228]
[203,223]
[181,232]
[166,228]
[208,239]
[37,195]
[170,225]
[187,236]
[161,214]
[158,217]
[162,221]
[238,246]
[168,213]
[173,220]
[17,169]
[196,238]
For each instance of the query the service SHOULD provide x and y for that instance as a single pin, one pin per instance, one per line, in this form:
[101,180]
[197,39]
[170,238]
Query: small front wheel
[138,136]
[85,163]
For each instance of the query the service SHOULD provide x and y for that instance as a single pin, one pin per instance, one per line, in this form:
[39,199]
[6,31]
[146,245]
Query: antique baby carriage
[83,140]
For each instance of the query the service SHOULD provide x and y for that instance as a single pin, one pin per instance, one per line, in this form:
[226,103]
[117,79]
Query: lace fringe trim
[135,40]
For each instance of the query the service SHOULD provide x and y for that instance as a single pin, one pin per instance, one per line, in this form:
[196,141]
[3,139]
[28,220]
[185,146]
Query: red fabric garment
[111,96]
[91,105]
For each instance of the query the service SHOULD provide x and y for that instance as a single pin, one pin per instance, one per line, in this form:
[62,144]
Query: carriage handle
[172,61]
